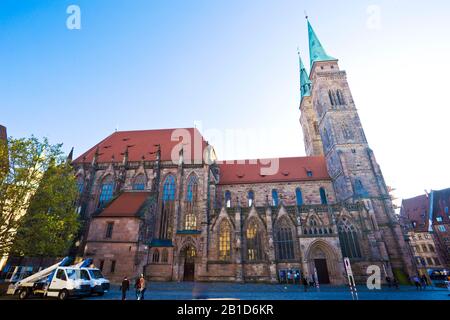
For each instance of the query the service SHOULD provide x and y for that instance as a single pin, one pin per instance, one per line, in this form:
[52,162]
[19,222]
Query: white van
[99,284]
[62,283]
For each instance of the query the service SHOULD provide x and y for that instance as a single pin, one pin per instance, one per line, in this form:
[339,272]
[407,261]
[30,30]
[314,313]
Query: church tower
[308,119]
[351,163]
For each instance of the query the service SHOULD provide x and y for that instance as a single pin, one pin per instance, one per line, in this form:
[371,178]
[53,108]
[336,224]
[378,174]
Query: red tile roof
[416,209]
[288,169]
[142,143]
[126,204]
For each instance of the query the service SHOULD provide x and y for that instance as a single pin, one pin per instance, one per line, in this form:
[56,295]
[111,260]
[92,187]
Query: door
[322,271]
[189,264]
[58,283]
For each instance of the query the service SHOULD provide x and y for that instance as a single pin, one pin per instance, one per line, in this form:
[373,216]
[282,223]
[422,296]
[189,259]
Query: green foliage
[37,195]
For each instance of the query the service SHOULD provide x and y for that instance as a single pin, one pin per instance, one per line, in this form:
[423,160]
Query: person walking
[417,283]
[289,276]
[395,283]
[388,281]
[305,283]
[142,287]
[125,286]
[137,287]
[423,281]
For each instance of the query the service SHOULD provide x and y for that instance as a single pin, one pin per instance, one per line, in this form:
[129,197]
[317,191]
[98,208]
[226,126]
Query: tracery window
[224,240]
[348,238]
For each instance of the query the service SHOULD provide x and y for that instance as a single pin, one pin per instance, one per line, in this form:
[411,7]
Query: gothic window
[165,256]
[190,219]
[348,237]
[254,242]
[155,258]
[299,196]
[316,127]
[106,191]
[80,184]
[332,98]
[224,240]
[251,198]
[284,241]
[168,204]
[275,200]
[228,199]
[323,196]
[139,182]
[340,97]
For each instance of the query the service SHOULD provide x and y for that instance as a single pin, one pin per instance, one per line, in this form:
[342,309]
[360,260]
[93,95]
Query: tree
[37,194]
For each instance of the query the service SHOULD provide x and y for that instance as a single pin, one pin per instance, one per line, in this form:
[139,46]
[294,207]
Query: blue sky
[228,66]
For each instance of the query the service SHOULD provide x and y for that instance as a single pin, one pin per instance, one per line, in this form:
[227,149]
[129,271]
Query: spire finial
[306,15]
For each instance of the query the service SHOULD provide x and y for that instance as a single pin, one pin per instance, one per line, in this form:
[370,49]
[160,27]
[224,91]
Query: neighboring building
[3,137]
[414,216]
[152,203]
[440,222]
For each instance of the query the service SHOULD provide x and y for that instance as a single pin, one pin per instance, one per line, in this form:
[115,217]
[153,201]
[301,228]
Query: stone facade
[203,227]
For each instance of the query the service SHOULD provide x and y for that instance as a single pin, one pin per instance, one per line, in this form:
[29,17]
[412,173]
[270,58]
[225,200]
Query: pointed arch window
[224,241]
[190,219]
[348,237]
[340,97]
[165,256]
[155,257]
[275,200]
[323,196]
[80,184]
[251,198]
[168,205]
[284,241]
[106,191]
[228,199]
[299,196]
[254,242]
[139,182]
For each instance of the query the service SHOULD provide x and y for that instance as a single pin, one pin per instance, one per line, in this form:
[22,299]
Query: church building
[159,202]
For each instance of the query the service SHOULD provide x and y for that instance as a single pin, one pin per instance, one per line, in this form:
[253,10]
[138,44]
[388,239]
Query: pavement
[250,291]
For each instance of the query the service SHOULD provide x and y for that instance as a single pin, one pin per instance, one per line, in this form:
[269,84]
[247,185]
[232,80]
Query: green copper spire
[305,83]
[316,50]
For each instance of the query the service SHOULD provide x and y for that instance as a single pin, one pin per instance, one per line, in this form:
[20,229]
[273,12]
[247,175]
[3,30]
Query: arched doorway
[323,262]
[319,260]
[189,254]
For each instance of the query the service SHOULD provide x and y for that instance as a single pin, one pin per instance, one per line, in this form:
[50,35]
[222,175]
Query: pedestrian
[289,276]
[395,283]
[125,287]
[388,281]
[137,287]
[417,283]
[423,280]
[142,287]
[305,283]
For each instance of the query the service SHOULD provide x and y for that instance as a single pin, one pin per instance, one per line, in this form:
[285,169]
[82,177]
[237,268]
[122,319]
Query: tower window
[309,173]
[316,128]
